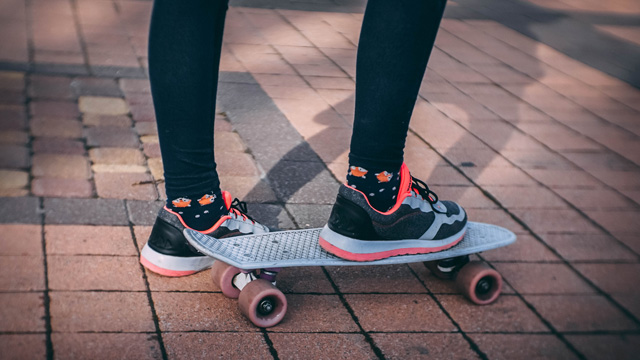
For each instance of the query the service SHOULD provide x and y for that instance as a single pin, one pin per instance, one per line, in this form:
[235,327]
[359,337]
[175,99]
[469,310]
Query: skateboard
[248,265]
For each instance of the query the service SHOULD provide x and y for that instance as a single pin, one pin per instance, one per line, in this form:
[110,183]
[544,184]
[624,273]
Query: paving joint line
[559,335]
[498,154]
[628,313]
[564,125]
[527,228]
[46,296]
[267,339]
[80,35]
[376,350]
[472,344]
[154,314]
[536,236]
[263,174]
[29,28]
[284,18]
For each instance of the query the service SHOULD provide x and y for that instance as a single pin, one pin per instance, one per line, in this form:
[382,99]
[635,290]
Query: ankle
[380,186]
[199,211]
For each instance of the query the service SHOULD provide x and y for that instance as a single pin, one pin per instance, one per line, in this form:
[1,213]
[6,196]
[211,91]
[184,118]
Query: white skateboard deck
[300,248]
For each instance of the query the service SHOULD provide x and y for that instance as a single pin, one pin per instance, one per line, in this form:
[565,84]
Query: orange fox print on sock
[206,199]
[357,171]
[384,176]
[181,202]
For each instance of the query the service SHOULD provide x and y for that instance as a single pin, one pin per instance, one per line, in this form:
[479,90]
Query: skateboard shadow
[490,109]
[460,153]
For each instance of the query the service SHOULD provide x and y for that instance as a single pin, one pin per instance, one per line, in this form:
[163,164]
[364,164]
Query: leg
[185,41]
[383,211]
[395,44]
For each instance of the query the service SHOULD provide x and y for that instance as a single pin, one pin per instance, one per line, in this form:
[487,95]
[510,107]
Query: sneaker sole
[371,250]
[173,266]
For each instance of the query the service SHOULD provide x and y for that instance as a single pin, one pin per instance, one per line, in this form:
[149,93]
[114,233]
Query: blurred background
[528,116]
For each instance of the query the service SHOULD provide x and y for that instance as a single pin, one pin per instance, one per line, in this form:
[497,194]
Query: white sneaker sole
[173,266]
[370,250]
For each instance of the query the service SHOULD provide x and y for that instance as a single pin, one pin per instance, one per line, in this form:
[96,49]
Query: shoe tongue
[227,199]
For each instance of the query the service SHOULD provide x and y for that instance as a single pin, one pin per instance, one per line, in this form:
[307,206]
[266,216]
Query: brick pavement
[519,133]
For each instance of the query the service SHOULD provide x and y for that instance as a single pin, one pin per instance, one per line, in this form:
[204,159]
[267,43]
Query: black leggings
[185,41]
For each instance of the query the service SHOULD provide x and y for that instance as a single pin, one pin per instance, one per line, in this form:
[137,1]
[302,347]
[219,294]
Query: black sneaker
[417,224]
[168,253]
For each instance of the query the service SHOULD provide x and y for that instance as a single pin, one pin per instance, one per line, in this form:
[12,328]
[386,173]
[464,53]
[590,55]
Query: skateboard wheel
[222,275]
[479,283]
[262,303]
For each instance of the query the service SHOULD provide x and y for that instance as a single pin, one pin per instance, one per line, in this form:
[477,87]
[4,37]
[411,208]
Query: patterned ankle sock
[199,212]
[380,186]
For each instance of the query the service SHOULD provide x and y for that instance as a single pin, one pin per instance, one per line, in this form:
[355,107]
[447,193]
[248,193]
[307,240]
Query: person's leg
[382,211]
[185,41]
[393,51]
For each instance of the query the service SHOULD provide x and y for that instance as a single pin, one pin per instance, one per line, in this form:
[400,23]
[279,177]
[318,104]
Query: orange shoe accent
[181,202]
[227,199]
[206,199]
[358,171]
[209,230]
[384,176]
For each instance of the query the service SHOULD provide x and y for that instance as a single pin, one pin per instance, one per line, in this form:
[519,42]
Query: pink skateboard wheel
[222,275]
[262,303]
[479,283]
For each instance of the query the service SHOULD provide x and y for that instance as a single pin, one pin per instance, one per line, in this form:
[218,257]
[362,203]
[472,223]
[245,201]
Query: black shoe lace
[421,188]
[240,208]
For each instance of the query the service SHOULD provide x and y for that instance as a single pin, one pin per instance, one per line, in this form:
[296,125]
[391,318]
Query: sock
[379,185]
[200,212]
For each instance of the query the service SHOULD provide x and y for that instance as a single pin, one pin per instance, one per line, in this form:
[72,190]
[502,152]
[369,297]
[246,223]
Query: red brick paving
[199,312]
[22,273]
[424,345]
[94,273]
[507,314]
[89,240]
[100,312]
[532,278]
[52,187]
[621,347]
[317,346]
[515,346]
[396,313]
[105,346]
[22,312]
[198,345]
[23,346]
[316,313]
[554,141]
[19,239]
[581,313]
[349,279]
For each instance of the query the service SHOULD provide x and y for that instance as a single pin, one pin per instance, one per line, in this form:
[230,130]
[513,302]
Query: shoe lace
[240,208]
[423,190]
